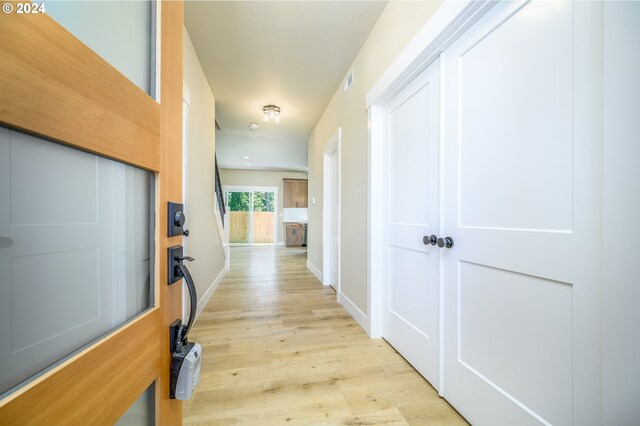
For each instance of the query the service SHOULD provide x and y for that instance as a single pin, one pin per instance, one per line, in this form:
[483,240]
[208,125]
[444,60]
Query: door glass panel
[141,412]
[121,32]
[239,203]
[76,251]
[262,218]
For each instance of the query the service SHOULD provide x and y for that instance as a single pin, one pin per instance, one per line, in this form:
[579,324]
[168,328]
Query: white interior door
[333,218]
[410,283]
[521,201]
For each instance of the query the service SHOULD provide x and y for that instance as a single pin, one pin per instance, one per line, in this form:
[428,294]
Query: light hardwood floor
[279,350]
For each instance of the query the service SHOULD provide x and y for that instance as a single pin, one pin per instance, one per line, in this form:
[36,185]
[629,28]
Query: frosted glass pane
[119,31]
[141,412]
[75,251]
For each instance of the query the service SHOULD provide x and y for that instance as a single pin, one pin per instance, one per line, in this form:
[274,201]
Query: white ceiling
[290,53]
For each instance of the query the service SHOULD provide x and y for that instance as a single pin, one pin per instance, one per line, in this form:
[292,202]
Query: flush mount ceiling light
[271,113]
[253,126]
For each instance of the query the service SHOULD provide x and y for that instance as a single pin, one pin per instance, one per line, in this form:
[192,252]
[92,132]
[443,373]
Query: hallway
[278,349]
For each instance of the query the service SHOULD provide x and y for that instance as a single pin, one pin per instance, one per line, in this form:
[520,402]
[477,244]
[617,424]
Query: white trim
[223,235]
[186,94]
[314,270]
[280,244]
[356,313]
[186,107]
[227,248]
[451,20]
[375,230]
[248,188]
[218,220]
[202,303]
[331,146]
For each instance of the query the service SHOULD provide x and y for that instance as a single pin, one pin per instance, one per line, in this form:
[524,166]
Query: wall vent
[348,81]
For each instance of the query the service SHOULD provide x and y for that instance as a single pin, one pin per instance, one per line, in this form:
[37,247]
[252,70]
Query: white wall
[262,178]
[398,24]
[621,230]
[204,242]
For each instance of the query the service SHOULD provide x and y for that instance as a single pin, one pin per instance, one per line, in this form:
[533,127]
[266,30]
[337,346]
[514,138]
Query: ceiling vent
[348,81]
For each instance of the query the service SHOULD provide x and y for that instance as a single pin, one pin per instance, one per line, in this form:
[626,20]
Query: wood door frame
[331,146]
[449,22]
[61,102]
[169,411]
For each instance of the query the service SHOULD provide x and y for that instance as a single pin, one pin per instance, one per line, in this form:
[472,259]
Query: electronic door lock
[185,371]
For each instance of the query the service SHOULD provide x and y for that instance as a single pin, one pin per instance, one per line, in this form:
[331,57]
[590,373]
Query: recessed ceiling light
[253,126]
[245,157]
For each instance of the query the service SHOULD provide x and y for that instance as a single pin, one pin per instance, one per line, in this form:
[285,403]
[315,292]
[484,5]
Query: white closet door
[522,203]
[410,289]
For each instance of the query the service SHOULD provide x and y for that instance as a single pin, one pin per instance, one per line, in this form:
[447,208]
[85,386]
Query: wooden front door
[55,88]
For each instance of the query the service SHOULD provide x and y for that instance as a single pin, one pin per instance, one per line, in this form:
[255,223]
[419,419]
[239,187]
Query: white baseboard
[280,244]
[355,312]
[207,294]
[315,271]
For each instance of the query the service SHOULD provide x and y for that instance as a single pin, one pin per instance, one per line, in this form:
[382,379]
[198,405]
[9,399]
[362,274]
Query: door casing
[331,147]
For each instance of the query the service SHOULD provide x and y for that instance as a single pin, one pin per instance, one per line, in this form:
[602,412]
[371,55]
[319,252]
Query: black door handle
[446,242]
[177,270]
[431,239]
[193,299]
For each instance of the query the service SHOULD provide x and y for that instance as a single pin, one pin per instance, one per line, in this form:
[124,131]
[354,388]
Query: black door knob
[178,218]
[446,242]
[431,239]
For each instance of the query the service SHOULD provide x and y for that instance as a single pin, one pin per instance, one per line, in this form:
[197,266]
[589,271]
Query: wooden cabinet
[294,234]
[302,193]
[295,193]
[290,190]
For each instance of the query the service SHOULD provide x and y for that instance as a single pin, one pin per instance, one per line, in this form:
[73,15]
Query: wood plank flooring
[279,350]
